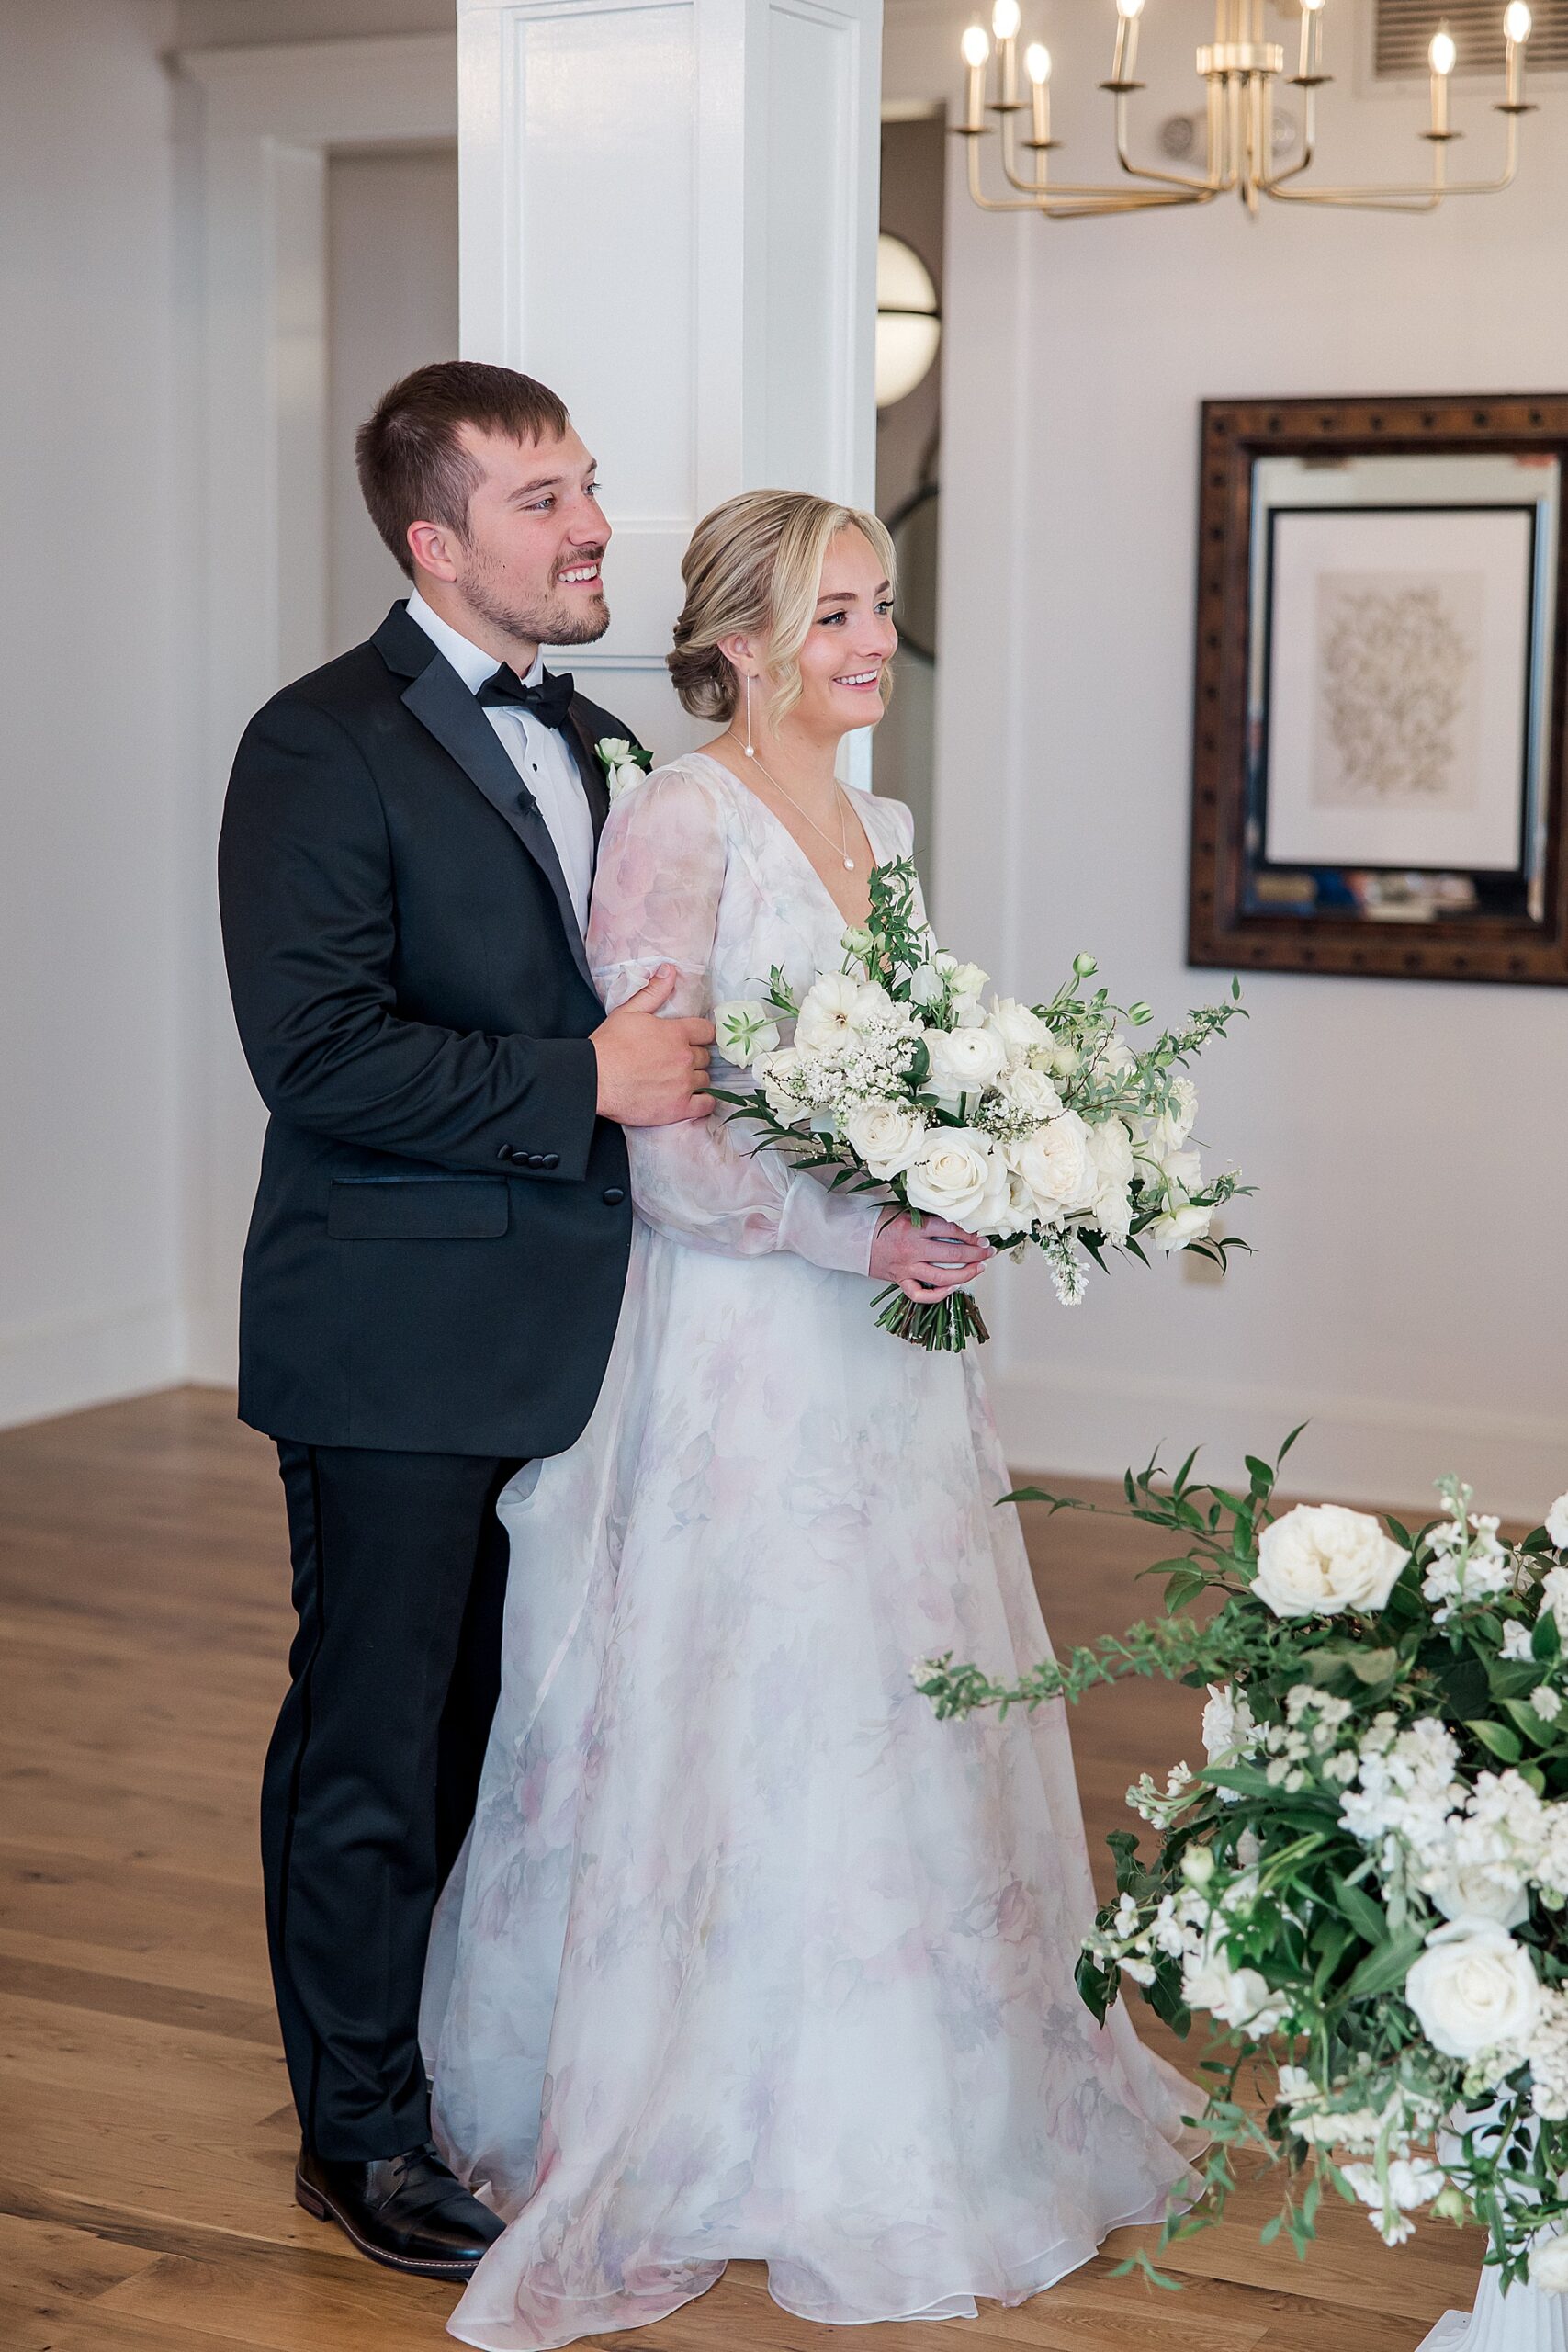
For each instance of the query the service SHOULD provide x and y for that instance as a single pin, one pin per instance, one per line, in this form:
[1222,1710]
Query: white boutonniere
[623,763]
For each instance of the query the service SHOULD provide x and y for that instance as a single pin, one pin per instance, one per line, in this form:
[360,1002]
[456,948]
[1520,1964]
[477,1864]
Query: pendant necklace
[843,843]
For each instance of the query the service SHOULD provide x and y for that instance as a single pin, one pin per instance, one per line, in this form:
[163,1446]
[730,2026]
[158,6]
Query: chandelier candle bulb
[1006,18]
[1441,56]
[1516,22]
[976,49]
[1038,62]
[1127,15]
[1312,40]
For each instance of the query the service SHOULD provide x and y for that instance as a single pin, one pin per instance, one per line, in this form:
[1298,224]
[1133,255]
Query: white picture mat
[1477,564]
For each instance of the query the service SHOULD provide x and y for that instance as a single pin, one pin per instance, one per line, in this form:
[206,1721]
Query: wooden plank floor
[145,2201]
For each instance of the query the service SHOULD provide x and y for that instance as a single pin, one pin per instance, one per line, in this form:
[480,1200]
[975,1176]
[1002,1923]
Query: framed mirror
[1382,689]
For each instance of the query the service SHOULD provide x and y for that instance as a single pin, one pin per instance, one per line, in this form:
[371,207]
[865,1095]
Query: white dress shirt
[540,755]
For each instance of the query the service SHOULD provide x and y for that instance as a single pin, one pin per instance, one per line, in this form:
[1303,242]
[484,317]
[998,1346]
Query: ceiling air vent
[1404,27]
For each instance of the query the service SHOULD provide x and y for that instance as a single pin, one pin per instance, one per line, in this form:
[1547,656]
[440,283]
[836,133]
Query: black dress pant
[400,1578]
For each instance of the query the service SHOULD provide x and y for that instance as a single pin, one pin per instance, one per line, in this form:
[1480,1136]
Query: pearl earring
[751,747]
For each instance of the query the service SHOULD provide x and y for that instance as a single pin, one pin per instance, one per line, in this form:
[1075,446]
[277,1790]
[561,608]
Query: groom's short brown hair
[413,468]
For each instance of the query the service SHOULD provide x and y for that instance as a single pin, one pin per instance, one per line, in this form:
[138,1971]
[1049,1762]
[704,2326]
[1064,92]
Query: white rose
[1474,1892]
[1557,1524]
[953,1174]
[1320,1558]
[887,1136]
[1111,1149]
[1031,1092]
[1055,1163]
[1172,1129]
[998,1212]
[1549,2261]
[1183,1173]
[1020,1029]
[963,1061]
[744,1029]
[837,1007]
[1180,1226]
[624,774]
[1472,1987]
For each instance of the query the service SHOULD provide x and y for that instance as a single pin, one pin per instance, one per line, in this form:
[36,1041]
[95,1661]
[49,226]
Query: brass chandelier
[1239,70]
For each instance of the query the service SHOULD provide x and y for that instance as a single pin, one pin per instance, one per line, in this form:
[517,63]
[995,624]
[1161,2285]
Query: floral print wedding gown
[749,1955]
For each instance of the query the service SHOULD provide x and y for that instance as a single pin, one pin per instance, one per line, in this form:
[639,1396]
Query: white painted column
[668,215]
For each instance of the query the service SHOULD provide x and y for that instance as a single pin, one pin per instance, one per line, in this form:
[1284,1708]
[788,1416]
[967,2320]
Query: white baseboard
[1356,1448]
[66,1365]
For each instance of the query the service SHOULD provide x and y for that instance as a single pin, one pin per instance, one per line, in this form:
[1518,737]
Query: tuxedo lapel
[595,782]
[442,704]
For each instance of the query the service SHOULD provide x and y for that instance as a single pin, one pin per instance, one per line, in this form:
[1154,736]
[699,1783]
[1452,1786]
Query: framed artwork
[1382,704]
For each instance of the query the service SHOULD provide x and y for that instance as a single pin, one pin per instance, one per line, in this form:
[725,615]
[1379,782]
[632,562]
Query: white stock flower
[1554,1597]
[887,1136]
[1472,1989]
[745,1029]
[1556,1524]
[1321,1557]
[1481,1865]
[954,1174]
[1413,2181]
[837,1007]
[1549,2260]
[1239,1997]
[1230,1728]
[1020,1029]
[963,1061]
[1055,1163]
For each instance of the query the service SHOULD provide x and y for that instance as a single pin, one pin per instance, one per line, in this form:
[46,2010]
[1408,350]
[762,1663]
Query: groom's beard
[561,618]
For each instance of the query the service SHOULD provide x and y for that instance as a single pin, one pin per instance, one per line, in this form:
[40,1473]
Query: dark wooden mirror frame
[1220,931]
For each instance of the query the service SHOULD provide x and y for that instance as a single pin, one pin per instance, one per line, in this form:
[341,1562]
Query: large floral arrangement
[1033,1124]
[1363,1888]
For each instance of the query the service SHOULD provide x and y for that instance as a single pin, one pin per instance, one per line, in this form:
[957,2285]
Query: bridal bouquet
[1365,1888]
[1033,1124]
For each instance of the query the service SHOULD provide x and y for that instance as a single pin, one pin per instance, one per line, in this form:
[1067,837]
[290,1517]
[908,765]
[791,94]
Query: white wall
[1409,1141]
[90,753]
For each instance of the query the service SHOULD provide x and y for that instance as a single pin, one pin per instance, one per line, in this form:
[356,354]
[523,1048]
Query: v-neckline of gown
[777,822]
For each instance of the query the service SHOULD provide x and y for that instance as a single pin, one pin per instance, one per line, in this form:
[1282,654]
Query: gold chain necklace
[843,843]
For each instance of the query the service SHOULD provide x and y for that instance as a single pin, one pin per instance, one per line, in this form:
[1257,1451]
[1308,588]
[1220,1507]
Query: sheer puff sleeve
[656,901]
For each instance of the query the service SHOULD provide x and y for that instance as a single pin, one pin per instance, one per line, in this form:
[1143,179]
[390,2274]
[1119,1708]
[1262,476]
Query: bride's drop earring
[751,747]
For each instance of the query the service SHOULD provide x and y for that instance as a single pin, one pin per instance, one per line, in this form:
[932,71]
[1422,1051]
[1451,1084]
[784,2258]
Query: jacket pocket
[459,1208]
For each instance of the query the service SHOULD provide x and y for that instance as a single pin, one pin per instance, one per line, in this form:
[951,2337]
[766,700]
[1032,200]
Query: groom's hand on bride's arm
[653,1071]
[929,1259]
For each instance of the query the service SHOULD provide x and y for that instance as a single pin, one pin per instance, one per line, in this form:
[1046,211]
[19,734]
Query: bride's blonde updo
[754,568]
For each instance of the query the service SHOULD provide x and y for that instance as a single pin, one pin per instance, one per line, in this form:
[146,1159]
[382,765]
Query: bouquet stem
[945,1327]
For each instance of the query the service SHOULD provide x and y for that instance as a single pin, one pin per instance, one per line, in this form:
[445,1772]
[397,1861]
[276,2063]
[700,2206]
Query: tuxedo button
[506,1152]
[549,1159]
[535,1159]
[614,1197]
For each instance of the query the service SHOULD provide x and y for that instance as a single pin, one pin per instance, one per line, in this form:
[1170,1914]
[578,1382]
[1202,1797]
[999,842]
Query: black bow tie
[549,702]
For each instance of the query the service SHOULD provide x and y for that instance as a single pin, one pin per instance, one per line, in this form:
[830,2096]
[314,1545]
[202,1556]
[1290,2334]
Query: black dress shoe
[408,2211]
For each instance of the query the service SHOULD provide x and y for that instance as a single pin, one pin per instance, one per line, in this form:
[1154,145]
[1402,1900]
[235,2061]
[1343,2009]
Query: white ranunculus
[1472,1987]
[1055,1163]
[1020,1029]
[1548,2258]
[887,1136]
[952,1175]
[963,1061]
[1029,1091]
[744,1029]
[1557,1524]
[1179,1228]
[837,1007]
[1320,1558]
[1172,1129]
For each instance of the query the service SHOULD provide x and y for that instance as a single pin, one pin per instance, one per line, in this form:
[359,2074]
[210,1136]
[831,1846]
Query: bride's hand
[926,1261]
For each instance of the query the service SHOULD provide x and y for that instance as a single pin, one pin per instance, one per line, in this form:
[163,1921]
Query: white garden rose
[887,1136]
[1172,1129]
[1476,1891]
[744,1029]
[1180,1226]
[1055,1163]
[1557,1524]
[1029,1090]
[1320,1558]
[963,1061]
[1472,1987]
[1020,1029]
[953,1174]
[837,1007]
[1183,1173]
[1548,2258]
[1111,1149]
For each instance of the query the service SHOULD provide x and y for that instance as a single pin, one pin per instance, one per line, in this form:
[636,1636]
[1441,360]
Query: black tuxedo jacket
[439,1244]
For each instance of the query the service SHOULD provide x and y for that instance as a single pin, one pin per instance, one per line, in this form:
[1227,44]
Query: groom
[439,1243]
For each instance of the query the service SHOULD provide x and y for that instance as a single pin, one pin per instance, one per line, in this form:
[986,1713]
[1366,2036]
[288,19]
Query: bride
[749,1955]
